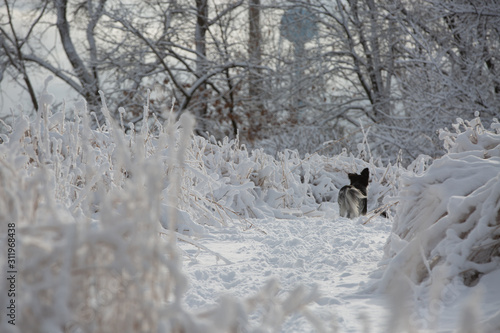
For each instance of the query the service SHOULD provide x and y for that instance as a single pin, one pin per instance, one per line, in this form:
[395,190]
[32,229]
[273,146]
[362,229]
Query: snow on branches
[447,225]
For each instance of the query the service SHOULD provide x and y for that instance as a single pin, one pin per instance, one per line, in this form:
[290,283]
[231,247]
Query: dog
[352,198]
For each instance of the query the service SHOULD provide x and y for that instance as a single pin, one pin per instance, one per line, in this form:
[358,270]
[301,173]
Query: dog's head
[360,181]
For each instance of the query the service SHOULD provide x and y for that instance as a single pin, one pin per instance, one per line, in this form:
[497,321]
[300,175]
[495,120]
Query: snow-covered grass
[160,231]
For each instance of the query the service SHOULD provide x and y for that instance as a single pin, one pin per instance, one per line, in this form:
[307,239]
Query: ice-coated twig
[194,243]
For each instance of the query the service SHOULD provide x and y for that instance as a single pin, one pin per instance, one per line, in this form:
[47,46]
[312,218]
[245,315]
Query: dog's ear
[365,174]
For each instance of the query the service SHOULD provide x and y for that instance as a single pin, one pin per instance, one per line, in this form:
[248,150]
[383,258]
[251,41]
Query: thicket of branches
[265,69]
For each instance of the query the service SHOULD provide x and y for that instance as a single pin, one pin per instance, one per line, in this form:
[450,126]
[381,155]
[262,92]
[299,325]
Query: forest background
[273,72]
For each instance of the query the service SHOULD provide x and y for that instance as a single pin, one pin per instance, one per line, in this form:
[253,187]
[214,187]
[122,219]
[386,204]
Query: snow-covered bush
[86,205]
[229,182]
[447,224]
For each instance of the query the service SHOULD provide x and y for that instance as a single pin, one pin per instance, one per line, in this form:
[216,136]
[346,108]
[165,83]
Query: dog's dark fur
[352,198]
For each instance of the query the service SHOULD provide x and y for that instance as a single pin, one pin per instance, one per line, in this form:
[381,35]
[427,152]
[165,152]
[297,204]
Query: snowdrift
[447,225]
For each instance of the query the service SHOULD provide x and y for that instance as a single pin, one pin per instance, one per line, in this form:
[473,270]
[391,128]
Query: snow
[160,231]
[332,255]
[445,233]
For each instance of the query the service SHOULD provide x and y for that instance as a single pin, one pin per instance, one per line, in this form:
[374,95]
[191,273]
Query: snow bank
[447,225]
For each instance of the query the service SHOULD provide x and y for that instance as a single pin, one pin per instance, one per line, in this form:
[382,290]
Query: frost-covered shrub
[230,183]
[304,138]
[86,205]
[326,175]
[447,224]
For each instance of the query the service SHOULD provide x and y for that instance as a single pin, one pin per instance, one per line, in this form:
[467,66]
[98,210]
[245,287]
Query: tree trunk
[200,110]
[90,85]
[254,55]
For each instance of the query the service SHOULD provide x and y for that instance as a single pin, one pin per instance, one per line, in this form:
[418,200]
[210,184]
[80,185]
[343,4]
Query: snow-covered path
[335,255]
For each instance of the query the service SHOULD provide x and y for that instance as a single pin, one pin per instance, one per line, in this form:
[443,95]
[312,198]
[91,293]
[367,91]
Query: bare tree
[86,74]
[196,79]
[449,67]
[349,70]
[12,44]
[401,68]
[83,75]
[202,25]
[408,68]
[456,46]
[255,54]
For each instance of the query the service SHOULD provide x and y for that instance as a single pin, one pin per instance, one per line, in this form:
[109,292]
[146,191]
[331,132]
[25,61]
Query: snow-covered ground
[332,254]
[339,259]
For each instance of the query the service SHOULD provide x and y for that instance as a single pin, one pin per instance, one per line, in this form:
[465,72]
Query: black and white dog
[352,198]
